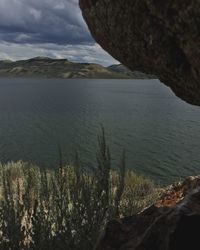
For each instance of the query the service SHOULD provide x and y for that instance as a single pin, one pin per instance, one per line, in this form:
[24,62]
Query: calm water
[161,133]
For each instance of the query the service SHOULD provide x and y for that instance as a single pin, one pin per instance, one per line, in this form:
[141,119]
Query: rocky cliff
[156,37]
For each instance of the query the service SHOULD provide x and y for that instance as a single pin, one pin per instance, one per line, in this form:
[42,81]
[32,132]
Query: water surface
[160,133]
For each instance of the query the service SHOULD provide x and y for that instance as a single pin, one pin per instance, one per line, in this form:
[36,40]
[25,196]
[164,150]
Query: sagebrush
[66,208]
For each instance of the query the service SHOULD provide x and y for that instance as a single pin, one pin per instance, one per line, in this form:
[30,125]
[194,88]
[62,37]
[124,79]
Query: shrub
[66,208]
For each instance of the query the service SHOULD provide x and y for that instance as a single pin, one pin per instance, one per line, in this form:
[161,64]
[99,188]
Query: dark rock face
[156,37]
[160,227]
[160,38]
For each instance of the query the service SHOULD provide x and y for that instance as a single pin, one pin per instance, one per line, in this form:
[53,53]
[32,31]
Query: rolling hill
[45,67]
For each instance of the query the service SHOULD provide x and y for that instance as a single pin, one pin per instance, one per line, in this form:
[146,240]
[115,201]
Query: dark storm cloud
[53,28]
[42,21]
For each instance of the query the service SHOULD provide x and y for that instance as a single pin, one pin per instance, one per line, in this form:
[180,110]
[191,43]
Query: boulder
[163,226]
[152,36]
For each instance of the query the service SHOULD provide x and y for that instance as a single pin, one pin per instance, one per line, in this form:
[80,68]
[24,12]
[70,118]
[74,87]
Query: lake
[160,133]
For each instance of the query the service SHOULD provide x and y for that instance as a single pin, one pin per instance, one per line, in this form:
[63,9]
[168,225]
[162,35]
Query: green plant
[67,208]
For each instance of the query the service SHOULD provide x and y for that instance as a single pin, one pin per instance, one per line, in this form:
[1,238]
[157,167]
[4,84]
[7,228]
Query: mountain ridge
[46,67]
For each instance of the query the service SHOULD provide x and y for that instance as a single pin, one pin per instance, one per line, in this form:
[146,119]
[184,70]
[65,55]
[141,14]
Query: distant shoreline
[48,68]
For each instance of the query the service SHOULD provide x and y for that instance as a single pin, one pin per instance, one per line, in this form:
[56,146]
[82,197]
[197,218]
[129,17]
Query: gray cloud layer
[52,21]
[48,28]
[76,53]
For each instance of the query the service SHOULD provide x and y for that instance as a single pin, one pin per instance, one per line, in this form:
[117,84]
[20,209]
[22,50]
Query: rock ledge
[170,224]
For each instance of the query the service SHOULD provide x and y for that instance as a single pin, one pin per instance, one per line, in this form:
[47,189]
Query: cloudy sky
[53,28]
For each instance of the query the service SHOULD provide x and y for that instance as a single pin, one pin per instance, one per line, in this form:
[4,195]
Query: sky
[52,28]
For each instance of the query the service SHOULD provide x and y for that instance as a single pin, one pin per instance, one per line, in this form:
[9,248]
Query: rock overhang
[160,38]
